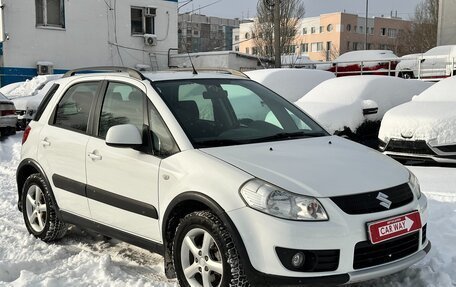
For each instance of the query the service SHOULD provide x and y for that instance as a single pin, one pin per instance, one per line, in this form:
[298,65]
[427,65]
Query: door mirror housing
[370,107]
[124,136]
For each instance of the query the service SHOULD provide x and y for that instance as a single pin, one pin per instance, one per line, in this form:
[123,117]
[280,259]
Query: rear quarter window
[45,101]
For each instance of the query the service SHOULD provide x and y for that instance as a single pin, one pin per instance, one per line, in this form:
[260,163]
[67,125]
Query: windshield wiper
[217,143]
[291,135]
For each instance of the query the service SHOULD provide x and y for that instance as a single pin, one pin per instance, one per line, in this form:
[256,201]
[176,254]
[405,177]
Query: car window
[74,108]
[241,112]
[163,143]
[122,104]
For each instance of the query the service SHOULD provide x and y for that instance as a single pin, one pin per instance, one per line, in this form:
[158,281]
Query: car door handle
[45,143]
[94,156]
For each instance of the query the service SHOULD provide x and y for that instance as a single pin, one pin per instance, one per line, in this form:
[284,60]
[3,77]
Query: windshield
[220,112]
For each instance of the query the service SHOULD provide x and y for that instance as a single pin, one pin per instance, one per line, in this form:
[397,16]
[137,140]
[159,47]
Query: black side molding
[104,196]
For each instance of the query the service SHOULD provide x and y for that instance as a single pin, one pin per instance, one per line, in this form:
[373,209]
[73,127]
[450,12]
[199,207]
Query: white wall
[89,27]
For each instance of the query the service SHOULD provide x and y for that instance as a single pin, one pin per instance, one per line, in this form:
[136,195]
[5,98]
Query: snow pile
[28,87]
[291,84]
[339,102]
[429,116]
[370,58]
[80,259]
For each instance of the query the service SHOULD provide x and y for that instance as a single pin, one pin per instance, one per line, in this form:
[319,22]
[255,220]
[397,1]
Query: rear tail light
[27,131]
[8,112]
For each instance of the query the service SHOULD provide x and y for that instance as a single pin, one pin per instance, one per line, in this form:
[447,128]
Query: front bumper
[418,150]
[262,233]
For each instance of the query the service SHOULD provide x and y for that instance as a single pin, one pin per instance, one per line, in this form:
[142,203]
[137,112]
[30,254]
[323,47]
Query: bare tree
[291,12]
[423,35]
[331,54]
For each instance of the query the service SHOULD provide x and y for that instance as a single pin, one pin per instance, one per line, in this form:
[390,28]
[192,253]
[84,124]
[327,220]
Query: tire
[217,262]
[39,211]
[406,75]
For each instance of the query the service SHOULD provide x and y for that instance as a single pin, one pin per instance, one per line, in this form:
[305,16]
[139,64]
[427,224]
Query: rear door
[122,183]
[62,146]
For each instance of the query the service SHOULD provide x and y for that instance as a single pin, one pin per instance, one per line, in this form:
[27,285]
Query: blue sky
[244,8]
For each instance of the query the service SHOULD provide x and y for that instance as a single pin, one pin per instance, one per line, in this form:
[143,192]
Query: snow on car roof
[442,91]
[291,84]
[366,55]
[185,75]
[30,86]
[338,102]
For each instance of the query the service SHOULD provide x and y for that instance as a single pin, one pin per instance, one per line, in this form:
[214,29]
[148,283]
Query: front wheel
[204,253]
[39,211]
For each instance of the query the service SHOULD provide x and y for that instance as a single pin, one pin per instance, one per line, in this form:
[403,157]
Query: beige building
[329,35]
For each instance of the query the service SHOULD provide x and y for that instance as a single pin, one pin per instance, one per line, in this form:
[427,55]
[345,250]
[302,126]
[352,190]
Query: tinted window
[74,108]
[122,104]
[45,102]
[163,142]
[218,112]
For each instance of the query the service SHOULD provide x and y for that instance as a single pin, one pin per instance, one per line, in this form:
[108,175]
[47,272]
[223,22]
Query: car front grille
[411,147]
[368,254]
[367,202]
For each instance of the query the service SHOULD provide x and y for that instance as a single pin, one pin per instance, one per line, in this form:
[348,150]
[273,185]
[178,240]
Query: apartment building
[327,36]
[200,33]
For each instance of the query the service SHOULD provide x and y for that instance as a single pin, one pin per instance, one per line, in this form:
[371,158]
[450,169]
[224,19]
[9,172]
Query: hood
[320,167]
[334,116]
[421,120]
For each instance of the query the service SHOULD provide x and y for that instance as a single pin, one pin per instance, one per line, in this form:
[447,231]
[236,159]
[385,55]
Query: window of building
[143,20]
[355,29]
[321,29]
[236,48]
[349,27]
[329,28]
[355,46]
[236,38]
[317,47]
[361,29]
[290,49]
[369,46]
[392,33]
[255,50]
[247,50]
[383,31]
[304,48]
[50,13]
[247,35]
[372,31]
[348,45]
[304,31]
[313,30]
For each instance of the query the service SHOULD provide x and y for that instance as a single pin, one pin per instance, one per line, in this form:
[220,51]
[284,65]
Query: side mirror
[123,136]
[422,60]
[370,107]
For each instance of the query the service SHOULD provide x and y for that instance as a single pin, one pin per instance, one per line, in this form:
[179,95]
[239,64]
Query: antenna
[191,62]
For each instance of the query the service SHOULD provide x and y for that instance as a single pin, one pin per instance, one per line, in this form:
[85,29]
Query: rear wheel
[204,254]
[39,211]
[406,75]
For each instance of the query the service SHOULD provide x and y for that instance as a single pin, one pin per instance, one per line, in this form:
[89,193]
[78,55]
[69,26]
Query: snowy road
[85,259]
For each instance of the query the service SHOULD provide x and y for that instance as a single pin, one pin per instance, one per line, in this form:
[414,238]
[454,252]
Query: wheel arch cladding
[187,203]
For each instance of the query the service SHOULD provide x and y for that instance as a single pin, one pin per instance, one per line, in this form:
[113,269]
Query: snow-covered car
[24,96]
[166,162]
[370,62]
[5,90]
[8,118]
[423,129]
[291,84]
[354,106]
[438,62]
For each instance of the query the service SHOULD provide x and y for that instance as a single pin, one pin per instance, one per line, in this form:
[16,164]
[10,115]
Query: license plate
[390,228]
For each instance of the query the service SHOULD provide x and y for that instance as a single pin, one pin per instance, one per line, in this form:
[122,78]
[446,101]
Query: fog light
[298,259]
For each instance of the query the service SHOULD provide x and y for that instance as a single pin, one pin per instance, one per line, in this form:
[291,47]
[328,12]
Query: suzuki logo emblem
[385,202]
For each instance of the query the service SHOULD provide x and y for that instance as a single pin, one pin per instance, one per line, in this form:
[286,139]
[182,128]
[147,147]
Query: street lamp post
[366,29]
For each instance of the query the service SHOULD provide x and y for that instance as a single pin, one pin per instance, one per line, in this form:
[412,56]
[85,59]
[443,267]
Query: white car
[423,129]
[438,62]
[354,106]
[166,162]
[8,118]
[291,84]
[24,96]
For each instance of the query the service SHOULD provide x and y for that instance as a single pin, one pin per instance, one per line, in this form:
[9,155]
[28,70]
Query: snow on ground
[83,258]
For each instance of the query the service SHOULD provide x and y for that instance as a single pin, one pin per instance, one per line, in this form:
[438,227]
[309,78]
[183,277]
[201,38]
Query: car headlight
[278,202]
[415,185]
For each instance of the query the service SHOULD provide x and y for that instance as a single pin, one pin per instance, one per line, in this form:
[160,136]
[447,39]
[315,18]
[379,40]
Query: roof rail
[215,70]
[131,72]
